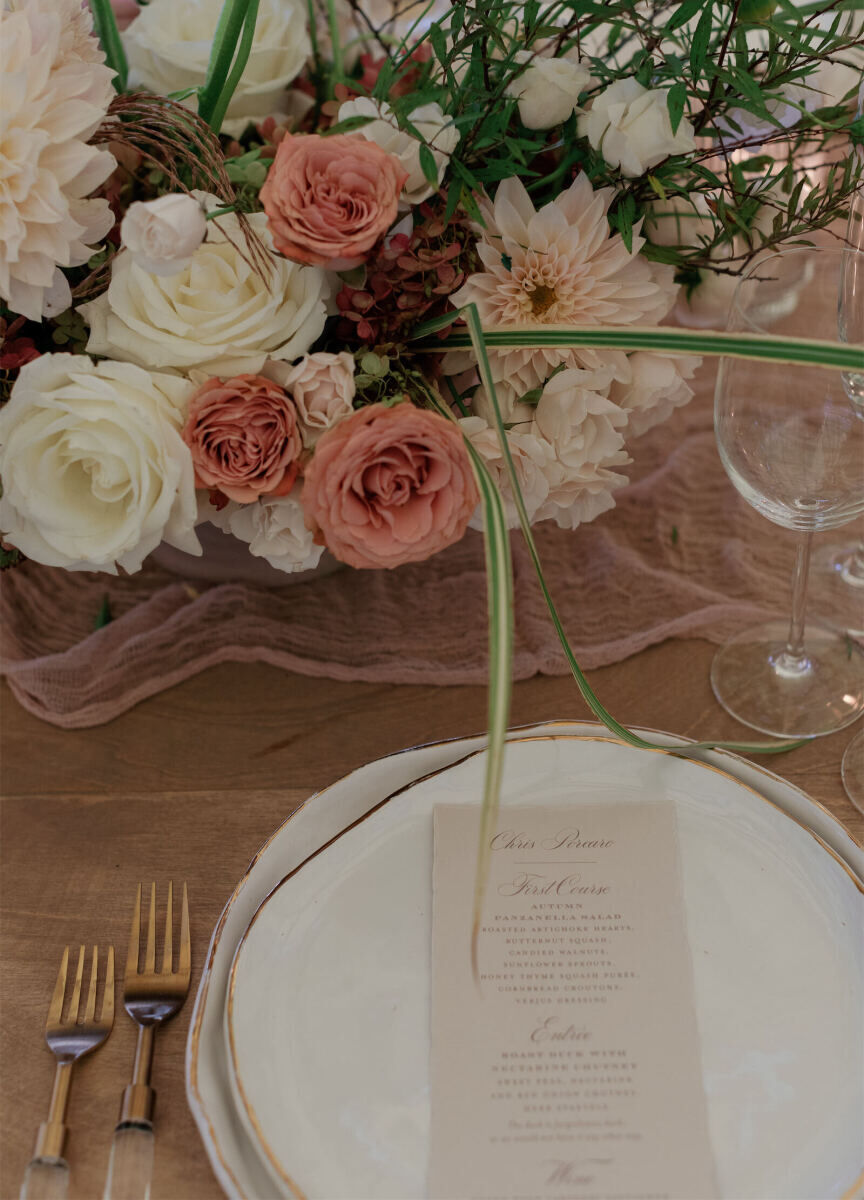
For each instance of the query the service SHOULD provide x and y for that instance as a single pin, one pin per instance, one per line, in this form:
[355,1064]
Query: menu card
[568,1068]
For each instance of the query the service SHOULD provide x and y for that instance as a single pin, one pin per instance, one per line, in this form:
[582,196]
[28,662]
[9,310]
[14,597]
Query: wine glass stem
[793,660]
[853,568]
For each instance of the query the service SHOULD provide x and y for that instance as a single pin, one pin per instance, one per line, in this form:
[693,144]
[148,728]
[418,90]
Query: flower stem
[335,42]
[243,51]
[109,37]
[228,32]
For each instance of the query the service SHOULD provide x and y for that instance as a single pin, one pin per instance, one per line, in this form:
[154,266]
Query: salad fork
[149,997]
[47,1175]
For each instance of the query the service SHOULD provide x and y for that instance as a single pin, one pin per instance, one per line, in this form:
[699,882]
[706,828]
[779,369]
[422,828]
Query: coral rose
[329,199]
[243,436]
[389,485]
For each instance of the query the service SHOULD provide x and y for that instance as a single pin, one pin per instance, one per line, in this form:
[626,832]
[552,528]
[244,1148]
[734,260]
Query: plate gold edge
[250,1111]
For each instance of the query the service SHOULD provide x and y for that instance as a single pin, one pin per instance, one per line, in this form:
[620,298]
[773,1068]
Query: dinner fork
[47,1175]
[149,997]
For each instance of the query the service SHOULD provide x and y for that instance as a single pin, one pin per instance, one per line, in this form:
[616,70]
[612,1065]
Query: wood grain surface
[187,786]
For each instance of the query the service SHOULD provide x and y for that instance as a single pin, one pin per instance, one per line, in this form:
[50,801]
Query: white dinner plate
[327,1020]
[233,1156]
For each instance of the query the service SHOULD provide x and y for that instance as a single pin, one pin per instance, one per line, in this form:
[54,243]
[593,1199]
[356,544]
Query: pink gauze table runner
[681,555]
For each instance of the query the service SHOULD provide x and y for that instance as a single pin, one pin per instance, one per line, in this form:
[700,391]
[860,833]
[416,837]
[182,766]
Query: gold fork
[149,997]
[47,1175]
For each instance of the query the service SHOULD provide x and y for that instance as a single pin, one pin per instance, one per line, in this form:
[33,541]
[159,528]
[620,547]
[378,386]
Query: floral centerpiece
[359,275]
[224,227]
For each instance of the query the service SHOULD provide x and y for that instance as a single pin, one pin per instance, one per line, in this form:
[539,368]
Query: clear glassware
[844,564]
[792,443]
[852,770]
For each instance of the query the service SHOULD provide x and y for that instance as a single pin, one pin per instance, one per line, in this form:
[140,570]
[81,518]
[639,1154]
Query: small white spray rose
[322,388]
[163,234]
[274,528]
[679,220]
[436,128]
[737,123]
[548,90]
[531,457]
[658,385]
[630,126]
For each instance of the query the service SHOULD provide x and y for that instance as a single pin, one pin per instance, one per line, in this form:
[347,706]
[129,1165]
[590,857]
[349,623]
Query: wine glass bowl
[792,443]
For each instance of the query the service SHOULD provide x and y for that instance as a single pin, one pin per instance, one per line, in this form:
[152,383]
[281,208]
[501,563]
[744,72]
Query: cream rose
[163,234]
[437,130]
[274,528]
[95,472]
[322,388]
[548,90]
[630,126]
[168,46]
[217,313]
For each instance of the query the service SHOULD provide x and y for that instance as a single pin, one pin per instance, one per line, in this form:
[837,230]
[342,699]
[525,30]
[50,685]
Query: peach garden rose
[243,436]
[388,486]
[329,199]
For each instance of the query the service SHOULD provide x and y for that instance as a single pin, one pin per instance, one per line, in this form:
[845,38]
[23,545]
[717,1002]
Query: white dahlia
[559,267]
[54,94]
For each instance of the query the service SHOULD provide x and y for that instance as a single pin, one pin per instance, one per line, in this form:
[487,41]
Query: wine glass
[793,445]
[852,770]
[844,564]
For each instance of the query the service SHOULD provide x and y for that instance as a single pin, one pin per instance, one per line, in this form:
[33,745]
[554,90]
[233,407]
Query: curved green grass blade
[499,586]
[754,346]
[490,798]
[499,583]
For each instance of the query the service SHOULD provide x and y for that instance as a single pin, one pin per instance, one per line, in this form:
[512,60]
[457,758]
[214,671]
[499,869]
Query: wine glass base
[756,683]
[837,578]
[852,771]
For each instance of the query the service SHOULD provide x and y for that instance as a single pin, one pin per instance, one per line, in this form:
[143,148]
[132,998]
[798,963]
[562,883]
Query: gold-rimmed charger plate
[310,1025]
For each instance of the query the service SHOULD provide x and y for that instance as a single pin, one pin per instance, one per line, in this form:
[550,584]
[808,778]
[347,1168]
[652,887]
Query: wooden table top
[187,786]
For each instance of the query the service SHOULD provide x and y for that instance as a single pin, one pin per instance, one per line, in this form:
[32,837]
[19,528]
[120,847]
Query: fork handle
[45,1179]
[130,1168]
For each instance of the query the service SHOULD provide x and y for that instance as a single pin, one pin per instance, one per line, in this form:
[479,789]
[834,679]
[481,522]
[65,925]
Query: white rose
[679,221]
[630,126]
[163,234]
[531,458]
[275,529]
[322,388]
[436,129]
[584,430]
[737,123]
[168,46]
[548,90]
[217,313]
[95,472]
[658,386]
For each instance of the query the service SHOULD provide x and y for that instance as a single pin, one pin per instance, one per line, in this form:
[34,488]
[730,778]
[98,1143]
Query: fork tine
[76,990]
[150,952]
[91,994]
[134,934]
[107,1015]
[55,1012]
[168,952]
[185,951]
